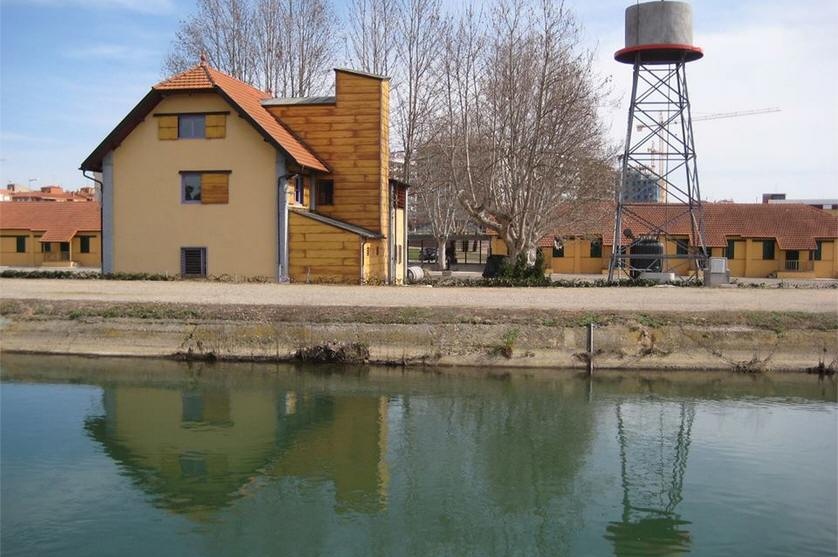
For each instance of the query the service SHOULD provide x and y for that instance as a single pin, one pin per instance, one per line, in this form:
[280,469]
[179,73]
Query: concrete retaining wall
[617,346]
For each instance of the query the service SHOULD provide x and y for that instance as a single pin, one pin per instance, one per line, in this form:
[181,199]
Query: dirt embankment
[431,336]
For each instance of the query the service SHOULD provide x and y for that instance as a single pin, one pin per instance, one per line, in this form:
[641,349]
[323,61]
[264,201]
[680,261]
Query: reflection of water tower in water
[654,439]
[659,146]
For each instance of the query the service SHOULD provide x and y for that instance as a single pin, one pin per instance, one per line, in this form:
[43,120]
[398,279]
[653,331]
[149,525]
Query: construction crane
[720,115]
[658,149]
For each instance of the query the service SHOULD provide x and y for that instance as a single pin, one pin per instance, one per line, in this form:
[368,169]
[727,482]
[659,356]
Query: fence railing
[53,256]
[798,265]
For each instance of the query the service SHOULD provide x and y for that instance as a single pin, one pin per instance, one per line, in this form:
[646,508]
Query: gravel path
[561,299]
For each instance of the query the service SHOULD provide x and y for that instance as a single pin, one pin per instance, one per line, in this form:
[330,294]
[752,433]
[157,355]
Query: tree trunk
[441,245]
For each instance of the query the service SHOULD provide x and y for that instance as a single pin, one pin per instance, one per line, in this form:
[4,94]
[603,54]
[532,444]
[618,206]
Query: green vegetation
[507,344]
[518,318]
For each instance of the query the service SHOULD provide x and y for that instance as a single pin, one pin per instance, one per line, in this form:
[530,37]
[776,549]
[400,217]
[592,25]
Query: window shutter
[216,126]
[214,188]
[167,127]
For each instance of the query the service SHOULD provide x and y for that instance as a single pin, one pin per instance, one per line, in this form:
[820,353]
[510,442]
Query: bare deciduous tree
[282,45]
[420,29]
[223,30]
[526,149]
[372,35]
[308,28]
[436,198]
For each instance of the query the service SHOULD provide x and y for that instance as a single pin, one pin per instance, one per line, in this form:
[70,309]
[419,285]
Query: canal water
[129,457]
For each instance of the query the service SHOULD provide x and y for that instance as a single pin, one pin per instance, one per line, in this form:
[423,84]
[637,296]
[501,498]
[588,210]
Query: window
[46,247]
[210,187]
[191,126]
[325,192]
[731,251]
[818,250]
[682,247]
[84,244]
[299,190]
[558,247]
[211,125]
[193,262]
[20,244]
[190,183]
[64,247]
[768,250]
[596,248]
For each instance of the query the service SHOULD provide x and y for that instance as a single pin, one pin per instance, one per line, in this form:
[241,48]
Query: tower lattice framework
[659,150]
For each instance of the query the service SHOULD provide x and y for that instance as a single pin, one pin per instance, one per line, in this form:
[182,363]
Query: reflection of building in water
[196,451]
[654,440]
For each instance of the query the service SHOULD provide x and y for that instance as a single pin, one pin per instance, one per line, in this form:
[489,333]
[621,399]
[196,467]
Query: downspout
[391,236]
[282,219]
[405,249]
[101,216]
[363,258]
[312,192]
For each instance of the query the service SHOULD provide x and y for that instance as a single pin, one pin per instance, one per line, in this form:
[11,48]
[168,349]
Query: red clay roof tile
[249,99]
[58,221]
[794,227]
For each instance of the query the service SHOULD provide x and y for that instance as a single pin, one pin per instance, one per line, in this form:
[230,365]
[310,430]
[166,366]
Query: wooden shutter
[216,126]
[215,187]
[167,127]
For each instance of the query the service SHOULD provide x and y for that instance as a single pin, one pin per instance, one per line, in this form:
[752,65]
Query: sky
[70,70]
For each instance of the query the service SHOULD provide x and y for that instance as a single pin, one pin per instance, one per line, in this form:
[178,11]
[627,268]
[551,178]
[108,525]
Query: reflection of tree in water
[654,440]
[494,471]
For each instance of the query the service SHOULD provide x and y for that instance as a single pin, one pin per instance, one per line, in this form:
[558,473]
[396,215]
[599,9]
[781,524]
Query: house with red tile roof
[208,175]
[38,234]
[759,240]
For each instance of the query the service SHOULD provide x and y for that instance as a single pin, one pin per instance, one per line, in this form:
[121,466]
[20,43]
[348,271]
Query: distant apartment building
[641,188]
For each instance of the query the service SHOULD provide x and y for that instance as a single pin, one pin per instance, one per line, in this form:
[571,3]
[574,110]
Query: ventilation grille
[193,262]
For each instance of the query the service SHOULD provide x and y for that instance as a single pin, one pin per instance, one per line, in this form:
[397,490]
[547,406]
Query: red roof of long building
[245,98]
[794,227]
[58,221]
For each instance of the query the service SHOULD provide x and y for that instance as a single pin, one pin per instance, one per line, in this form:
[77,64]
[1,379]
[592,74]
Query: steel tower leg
[659,156]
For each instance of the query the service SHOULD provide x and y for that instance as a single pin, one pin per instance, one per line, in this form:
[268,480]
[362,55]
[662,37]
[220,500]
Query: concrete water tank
[659,32]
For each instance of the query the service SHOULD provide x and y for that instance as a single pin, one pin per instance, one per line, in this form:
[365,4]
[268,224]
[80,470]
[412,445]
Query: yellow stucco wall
[319,252]
[150,222]
[828,264]
[747,260]
[577,258]
[34,257]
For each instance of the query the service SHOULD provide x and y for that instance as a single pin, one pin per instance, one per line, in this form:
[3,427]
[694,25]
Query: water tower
[660,231]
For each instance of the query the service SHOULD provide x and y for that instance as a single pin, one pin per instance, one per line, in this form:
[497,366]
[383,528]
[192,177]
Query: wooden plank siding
[351,136]
[318,252]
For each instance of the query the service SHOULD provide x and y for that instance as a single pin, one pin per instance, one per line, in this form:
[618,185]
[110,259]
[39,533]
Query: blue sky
[71,69]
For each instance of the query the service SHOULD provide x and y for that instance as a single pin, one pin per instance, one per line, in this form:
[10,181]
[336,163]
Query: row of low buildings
[210,176]
[15,192]
[759,240]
